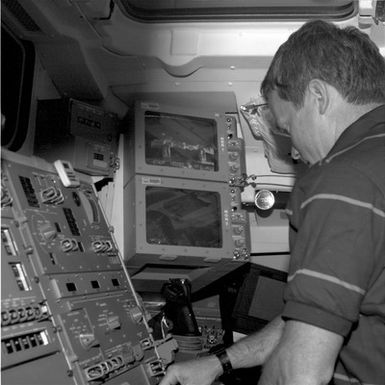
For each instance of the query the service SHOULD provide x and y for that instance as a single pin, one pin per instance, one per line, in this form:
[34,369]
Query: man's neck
[348,113]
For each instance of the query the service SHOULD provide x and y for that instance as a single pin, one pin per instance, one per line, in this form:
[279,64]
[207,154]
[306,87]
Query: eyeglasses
[264,113]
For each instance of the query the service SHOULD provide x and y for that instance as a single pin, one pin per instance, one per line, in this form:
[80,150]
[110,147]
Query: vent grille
[21,15]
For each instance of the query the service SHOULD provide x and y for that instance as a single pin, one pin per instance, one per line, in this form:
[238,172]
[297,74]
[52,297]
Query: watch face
[264,199]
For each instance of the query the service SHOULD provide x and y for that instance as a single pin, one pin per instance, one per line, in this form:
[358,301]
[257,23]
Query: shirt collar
[359,129]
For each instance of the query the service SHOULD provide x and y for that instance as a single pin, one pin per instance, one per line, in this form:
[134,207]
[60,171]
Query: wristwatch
[225,361]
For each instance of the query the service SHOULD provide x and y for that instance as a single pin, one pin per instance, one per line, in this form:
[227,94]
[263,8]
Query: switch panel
[65,291]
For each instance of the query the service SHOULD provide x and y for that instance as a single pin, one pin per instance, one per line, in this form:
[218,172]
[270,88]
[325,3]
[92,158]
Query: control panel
[237,171]
[84,134]
[235,151]
[69,312]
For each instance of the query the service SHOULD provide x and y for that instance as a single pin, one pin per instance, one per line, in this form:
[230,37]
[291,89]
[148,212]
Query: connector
[30,313]
[14,316]
[94,372]
[5,318]
[156,368]
[23,316]
[104,368]
[117,362]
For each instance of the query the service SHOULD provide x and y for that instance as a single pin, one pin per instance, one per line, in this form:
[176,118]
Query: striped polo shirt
[337,240]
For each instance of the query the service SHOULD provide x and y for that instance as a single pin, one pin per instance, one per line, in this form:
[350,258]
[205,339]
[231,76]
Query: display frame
[259,299]
[225,143]
[137,251]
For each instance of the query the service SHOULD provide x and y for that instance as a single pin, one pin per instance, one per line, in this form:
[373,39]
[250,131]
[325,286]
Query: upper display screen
[181,141]
[181,217]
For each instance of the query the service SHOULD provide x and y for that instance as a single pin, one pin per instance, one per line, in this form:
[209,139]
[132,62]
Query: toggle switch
[113,322]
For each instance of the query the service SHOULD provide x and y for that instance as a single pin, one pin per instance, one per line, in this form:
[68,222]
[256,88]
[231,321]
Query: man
[326,88]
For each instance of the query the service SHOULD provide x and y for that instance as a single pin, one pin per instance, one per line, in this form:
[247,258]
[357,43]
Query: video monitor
[260,298]
[184,142]
[180,219]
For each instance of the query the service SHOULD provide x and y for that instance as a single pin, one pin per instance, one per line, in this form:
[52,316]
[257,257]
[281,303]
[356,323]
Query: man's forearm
[250,351]
[254,349]
[306,355]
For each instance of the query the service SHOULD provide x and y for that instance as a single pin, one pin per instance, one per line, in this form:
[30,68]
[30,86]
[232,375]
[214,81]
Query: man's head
[314,76]
[345,58]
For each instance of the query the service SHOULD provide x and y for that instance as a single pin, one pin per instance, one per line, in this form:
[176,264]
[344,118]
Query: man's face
[304,125]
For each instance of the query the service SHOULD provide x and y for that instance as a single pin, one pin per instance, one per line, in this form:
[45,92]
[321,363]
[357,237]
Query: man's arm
[252,350]
[305,355]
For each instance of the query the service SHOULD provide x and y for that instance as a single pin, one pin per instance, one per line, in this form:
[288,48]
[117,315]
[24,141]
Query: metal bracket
[371,12]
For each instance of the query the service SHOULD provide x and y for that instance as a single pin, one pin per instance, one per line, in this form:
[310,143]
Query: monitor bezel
[136,246]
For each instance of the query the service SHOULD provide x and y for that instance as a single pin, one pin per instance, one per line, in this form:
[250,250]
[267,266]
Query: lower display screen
[183,217]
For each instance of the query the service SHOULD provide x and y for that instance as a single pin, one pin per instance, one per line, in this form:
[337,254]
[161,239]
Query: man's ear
[320,92]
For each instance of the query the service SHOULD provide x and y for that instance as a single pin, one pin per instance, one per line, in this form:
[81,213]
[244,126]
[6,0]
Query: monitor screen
[183,217]
[260,298]
[181,141]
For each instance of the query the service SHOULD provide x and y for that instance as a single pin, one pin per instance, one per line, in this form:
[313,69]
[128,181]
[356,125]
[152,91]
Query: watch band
[225,361]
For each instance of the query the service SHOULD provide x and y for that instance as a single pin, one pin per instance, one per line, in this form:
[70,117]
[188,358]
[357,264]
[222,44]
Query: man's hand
[202,371]
[250,351]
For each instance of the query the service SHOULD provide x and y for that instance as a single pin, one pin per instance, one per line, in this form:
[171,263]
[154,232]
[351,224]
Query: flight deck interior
[143,182]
